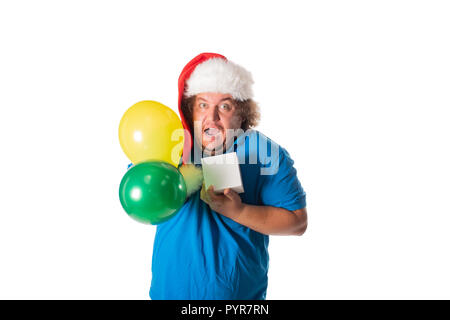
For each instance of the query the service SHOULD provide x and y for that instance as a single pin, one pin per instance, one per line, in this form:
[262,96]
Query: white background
[356,91]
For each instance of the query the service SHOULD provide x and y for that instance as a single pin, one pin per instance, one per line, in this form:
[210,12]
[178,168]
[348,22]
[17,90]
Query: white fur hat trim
[220,75]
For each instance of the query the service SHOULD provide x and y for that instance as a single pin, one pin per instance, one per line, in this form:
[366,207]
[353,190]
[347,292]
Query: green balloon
[152,192]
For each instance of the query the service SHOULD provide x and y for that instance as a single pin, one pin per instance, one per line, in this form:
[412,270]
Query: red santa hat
[211,72]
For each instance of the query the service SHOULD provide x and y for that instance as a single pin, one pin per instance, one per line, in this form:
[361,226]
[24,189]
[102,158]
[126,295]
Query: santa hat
[211,72]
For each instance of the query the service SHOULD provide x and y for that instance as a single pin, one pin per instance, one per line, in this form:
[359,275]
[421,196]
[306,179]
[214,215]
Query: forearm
[264,219]
[270,220]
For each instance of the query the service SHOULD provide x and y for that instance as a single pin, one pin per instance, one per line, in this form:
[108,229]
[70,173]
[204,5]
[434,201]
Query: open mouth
[212,132]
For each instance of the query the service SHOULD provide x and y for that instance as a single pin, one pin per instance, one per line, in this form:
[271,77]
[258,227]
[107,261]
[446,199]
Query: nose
[213,114]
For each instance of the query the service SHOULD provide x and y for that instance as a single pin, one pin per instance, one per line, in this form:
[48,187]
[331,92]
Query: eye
[202,105]
[225,107]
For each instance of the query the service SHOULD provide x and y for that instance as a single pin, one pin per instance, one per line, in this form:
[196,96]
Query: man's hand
[264,219]
[229,203]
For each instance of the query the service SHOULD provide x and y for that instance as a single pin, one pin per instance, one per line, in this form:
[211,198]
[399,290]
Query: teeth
[212,131]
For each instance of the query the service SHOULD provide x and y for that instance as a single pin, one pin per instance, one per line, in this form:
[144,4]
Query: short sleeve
[283,189]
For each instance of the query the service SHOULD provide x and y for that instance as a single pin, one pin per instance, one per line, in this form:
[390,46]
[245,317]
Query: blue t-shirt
[200,254]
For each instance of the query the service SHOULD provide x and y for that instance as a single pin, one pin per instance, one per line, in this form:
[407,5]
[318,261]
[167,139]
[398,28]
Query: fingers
[211,194]
[203,195]
[231,194]
[208,195]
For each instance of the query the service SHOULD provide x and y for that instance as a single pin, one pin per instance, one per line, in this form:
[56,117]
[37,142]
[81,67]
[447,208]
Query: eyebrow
[200,98]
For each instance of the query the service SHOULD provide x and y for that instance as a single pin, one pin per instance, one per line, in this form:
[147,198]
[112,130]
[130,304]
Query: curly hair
[248,111]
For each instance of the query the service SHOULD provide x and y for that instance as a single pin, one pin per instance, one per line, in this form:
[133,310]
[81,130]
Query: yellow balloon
[150,130]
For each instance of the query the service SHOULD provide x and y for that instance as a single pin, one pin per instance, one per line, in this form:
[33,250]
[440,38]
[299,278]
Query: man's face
[213,114]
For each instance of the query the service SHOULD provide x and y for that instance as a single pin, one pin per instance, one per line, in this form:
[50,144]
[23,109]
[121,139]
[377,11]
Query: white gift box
[222,172]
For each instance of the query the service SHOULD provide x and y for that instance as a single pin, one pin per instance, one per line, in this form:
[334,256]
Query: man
[216,247]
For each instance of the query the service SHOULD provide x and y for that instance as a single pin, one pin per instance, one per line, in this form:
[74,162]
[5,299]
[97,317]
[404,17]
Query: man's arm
[273,221]
[264,219]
